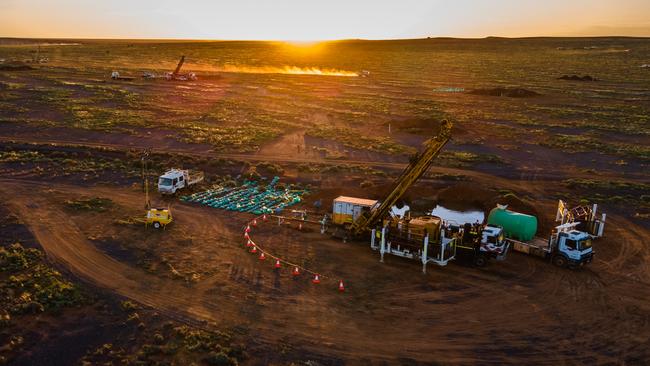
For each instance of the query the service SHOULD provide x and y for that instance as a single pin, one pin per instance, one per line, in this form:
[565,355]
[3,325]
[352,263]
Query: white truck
[565,247]
[569,243]
[175,179]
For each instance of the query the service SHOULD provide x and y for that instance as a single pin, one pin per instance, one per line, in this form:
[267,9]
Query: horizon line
[172,39]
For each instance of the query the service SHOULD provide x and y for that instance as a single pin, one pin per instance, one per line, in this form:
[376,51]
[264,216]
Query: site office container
[346,209]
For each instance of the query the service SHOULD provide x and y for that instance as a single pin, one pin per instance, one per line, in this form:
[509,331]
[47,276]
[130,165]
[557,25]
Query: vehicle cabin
[171,181]
[176,179]
[576,240]
[347,209]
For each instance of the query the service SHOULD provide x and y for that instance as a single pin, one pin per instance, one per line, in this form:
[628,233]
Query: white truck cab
[493,241]
[175,179]
[575,247]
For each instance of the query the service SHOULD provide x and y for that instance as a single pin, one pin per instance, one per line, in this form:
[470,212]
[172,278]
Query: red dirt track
[520,310]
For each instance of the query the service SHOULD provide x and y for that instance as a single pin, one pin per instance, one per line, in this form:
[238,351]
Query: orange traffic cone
[296,271]
[246,236]
[262,257]
[277,263]
[248,229]
[249,243]
[254,249]
[264,217]
[341,288]
[254,223]
[316,279]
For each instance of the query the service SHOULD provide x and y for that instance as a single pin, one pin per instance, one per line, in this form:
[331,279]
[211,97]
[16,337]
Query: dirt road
[522,310]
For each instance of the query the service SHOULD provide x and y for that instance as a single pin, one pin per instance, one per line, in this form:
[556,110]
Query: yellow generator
[158,217]
[345,210]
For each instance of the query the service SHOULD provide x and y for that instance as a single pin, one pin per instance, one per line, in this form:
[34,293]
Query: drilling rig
[177,76]
[425,238]
[369,216]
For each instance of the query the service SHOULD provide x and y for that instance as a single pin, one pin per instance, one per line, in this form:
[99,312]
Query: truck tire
[560,261]
[480,261]
[156,225]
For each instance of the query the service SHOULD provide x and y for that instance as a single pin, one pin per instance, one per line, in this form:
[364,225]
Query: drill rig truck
[424,238]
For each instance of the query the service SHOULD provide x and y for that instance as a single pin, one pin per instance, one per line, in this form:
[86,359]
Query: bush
[16,258]
[96,204]
[158,338]
[270,168]
[366,184]
[252,175]
[129,306]
[220,359]
[229,183]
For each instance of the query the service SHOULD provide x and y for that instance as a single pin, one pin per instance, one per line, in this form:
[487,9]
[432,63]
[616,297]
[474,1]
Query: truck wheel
[560,261]
[480,261]
[156,225]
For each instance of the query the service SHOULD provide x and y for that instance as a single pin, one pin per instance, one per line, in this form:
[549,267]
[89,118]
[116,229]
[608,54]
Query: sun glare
[302,43]
[304,47]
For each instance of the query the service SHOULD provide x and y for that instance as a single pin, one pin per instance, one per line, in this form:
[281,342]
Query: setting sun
[312,20]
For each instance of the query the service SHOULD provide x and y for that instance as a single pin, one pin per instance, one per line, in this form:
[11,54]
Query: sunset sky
[317,20]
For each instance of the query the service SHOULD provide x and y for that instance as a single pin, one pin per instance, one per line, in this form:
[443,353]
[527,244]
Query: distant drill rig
[176,75]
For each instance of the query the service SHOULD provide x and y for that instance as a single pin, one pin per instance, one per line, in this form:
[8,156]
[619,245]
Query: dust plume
[293,70]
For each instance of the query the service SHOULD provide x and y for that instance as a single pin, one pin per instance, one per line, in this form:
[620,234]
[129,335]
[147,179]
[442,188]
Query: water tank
[515,225]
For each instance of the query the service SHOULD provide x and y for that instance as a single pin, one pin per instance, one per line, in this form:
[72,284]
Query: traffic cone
[264,217]
[277,263]
[249,243]
[246,236]
[316,280]
[254,249]
[262,257]
[248,229]
[254,223]
[341,288]
[296,272]
[300,226]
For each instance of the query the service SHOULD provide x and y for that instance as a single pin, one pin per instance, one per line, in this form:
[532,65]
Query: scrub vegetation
[30,286]
[111,291]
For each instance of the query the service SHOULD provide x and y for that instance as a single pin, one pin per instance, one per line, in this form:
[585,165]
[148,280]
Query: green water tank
[515,225]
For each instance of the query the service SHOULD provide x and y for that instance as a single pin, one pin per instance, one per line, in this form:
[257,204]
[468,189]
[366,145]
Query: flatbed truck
[569,244]
[566,247]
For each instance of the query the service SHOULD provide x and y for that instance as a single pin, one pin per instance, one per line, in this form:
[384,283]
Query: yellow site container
[346,209]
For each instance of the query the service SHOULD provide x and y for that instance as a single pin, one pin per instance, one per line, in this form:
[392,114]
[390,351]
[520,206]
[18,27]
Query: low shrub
[33,286]
[96,204]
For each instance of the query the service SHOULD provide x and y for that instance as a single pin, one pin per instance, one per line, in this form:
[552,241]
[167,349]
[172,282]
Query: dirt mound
[505,92]
[15,66]
[466,195]
[577,78]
